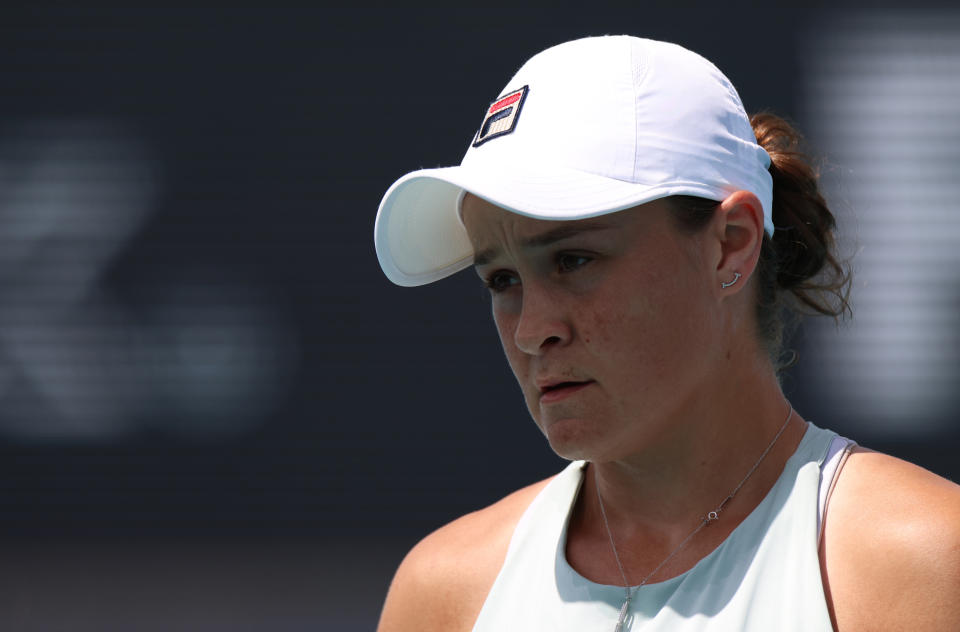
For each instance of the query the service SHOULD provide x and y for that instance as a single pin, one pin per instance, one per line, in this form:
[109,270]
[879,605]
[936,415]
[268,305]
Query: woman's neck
[655,498]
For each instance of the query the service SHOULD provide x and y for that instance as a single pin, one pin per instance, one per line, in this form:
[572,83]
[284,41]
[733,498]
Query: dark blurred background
[217,414]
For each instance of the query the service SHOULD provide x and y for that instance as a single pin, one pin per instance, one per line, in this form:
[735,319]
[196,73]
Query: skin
[631,355]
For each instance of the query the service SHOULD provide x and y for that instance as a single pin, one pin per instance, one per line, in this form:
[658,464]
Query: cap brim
[419,236]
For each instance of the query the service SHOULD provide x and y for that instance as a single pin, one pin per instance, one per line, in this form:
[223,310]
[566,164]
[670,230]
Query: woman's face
[606,322]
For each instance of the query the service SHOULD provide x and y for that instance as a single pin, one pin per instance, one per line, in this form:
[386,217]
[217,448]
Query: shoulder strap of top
[830,468]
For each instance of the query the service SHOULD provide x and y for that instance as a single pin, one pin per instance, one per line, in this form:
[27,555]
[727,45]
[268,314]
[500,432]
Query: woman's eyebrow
[545,239]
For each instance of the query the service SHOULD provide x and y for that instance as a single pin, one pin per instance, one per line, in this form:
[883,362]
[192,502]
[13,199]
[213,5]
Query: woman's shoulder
[892,546]
[443,581]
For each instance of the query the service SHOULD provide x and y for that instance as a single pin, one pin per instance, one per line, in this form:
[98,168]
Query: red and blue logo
[501,117]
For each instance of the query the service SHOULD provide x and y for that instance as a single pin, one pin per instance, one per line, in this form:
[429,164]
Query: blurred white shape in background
[883,105]
[75,361]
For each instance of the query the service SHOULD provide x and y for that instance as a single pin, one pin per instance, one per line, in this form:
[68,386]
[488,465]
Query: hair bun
[804,246]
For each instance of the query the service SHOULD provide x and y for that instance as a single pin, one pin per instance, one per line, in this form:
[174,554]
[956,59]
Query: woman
[639,235]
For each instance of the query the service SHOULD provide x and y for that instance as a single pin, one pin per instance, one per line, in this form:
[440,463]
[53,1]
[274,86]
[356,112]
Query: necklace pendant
[711,517]
[623,615]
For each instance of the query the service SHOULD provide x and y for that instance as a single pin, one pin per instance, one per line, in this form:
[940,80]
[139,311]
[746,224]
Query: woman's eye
[567,262]
[500,281]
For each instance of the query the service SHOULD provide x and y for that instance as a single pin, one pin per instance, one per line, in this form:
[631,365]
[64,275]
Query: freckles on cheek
[599,327]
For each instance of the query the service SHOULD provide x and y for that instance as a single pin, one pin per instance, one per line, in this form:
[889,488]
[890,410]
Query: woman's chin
[572,438]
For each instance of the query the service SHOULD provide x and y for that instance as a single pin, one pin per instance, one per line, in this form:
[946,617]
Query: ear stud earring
[736,277]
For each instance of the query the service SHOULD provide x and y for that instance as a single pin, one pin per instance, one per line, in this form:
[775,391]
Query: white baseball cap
[585,128]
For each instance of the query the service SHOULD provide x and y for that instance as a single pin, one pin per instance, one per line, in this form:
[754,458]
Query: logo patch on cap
[501,116]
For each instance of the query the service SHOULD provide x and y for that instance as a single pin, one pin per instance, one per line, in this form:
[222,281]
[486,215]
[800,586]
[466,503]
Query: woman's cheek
[506,326]
[599,327]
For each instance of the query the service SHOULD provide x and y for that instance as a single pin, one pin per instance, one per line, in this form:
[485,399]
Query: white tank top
[765,576]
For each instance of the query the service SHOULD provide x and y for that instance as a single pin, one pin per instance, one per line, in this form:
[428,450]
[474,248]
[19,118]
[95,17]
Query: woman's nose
[542,323]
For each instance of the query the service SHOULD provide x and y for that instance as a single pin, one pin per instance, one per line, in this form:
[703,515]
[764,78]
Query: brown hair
[799,270]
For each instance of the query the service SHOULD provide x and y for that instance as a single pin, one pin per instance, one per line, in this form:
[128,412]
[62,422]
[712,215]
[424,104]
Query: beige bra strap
[840,459]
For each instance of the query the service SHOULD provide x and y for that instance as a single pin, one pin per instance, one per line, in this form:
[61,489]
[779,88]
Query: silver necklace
[711,516]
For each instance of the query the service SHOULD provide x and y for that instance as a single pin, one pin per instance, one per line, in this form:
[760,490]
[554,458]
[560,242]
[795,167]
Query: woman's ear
[739,228]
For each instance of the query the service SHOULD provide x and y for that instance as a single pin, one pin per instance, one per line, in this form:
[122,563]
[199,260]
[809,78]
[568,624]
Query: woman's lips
[561,391]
